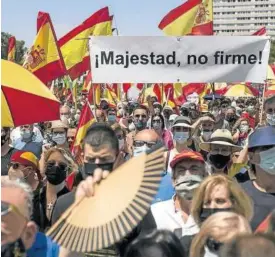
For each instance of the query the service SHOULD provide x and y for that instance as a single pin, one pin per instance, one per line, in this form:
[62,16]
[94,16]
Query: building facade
[243,17]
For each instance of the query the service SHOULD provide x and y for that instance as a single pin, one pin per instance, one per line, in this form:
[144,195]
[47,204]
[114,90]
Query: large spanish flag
[85,121]
[194,17]
[11,49]
[44,57]
[74,45]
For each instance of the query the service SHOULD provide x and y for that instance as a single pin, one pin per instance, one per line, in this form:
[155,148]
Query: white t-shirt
[166,217]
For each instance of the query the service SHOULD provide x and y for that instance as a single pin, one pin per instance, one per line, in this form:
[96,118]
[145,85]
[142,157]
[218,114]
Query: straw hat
[220,137]
[59,124]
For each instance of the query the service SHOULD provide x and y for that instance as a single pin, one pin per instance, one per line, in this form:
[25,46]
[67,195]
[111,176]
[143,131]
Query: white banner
[179,59]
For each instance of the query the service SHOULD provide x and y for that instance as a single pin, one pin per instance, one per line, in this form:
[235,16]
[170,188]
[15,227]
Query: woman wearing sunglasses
[58,165]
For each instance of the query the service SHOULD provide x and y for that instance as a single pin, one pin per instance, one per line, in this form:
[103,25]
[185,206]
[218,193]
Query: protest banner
[179,59]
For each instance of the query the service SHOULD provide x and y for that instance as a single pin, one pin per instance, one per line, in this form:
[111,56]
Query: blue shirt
[166,189]
[43,246]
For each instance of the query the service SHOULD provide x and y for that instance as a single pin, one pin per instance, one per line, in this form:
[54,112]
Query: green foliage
[272,52]
[20,48]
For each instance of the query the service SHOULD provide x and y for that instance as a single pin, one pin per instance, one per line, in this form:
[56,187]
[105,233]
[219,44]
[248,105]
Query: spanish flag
[94,94]
[194,17]
[74,45]
[11,49]
[261,32]
[87,83]
[85,121]
[44,57]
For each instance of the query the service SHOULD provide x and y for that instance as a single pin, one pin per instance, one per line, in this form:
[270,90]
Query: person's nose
[187,172]
[213,205]
[97,161]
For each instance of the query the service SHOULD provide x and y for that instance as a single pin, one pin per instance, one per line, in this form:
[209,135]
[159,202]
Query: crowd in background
[216,196]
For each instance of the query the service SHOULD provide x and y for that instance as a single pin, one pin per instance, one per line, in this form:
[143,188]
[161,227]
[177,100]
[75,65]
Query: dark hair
[214,103]
[250,245]
[269,100]
[161,118]
[141,107]
[99,134]
[226,101]
[157,243]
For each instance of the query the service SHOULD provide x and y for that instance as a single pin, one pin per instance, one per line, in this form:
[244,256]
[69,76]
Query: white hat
[220,137]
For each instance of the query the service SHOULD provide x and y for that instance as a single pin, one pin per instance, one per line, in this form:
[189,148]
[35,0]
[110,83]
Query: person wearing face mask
[65,113]
[241,132]
[218,193]
[269,109]
[217,111]
[59,133]
[111,116]
[181,131]
[121,135]
[6,150]
[157,123]
[167,112]
[220,147]
[140,119]
[19,235]
[30,139]
[188,171]
[261,187]
[58,164]
[230,116]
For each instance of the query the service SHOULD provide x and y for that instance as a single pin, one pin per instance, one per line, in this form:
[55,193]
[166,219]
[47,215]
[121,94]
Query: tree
[272,52]
[20,48]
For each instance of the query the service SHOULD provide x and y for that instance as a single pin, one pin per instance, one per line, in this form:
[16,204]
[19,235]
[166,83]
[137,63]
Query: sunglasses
[14,165]
[139,143]
[62,165]
[7,208]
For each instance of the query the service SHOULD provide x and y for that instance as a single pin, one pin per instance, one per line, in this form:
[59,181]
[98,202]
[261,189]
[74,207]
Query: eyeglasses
[6,208]
[14,165]
[58,132]
[139,143]
[52,163]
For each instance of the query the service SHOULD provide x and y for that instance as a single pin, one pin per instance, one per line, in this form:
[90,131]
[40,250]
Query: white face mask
[121,143]
[140,149]
[267,162]
[60,139]
[181,137]
[77,117]
[206,135]
[26,134]
[215,113]
[64,117]
[132,126]
[270,118]
[244,128]
[156,126]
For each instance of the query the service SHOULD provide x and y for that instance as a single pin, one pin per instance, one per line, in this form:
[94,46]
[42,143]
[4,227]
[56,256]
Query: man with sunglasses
[19,235]
[140,119]
[261,151]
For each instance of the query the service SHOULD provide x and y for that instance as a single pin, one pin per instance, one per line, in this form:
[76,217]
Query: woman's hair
[157,243]
[161,118]
[241,202]
[72,166]
[238,123]
[222,227]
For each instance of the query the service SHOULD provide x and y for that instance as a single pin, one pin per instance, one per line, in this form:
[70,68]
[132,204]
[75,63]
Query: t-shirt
[5,160]
[147,224]
[264,203]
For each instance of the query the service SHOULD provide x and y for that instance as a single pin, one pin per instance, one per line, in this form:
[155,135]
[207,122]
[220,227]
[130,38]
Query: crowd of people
[216,196]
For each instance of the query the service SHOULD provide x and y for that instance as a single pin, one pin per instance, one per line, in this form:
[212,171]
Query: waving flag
[11,49]
[74,45]
[194,17]
[261,32]
[44,58]
[87,83]
[85,121]
[94,94]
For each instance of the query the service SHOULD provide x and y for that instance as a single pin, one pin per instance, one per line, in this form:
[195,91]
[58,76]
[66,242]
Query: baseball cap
[186,155]
[182,121]
[25,158]
[263,136]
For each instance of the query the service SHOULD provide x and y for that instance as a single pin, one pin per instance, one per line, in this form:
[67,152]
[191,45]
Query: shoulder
[65,200]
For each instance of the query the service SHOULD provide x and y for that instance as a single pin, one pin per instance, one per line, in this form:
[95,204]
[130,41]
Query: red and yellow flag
[74,45]
[94,94]
[87,83]
[194,17]
[85,121]
[11,49]
[44,58]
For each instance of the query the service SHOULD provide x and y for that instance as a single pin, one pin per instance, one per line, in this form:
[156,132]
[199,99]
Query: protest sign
[179,59]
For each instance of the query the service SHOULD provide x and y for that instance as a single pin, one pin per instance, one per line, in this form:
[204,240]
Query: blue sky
[133,17]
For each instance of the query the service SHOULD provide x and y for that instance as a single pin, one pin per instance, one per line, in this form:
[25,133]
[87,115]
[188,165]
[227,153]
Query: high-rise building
[243,17]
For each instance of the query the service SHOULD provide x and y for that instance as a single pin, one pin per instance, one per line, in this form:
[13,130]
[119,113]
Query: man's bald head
[147,135]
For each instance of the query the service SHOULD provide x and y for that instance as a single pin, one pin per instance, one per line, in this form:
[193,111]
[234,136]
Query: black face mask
[14,249]
[230,119]
[56,174]
[3,140]
[206,212]
[219,161]
[89,168]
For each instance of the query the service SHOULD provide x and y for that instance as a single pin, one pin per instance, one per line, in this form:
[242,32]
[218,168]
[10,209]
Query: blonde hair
[241,202]
[222,227]
[72,166]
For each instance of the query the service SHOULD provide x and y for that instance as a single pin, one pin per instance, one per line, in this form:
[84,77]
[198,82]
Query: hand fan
[120,203]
